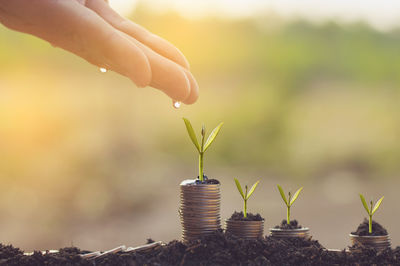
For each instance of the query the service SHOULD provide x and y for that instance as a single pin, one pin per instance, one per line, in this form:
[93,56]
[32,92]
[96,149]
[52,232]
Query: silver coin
[377,242]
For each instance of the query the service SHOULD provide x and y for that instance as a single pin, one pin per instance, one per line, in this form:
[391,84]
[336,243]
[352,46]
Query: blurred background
[309,92]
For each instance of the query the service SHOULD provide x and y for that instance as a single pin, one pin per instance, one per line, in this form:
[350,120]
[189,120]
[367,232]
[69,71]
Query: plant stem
[201,167]
[288,215]
[245,209]
[370,224]
[245,202]
[370,218]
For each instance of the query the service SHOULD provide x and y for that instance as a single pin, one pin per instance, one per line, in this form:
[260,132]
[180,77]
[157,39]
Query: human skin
[92,30]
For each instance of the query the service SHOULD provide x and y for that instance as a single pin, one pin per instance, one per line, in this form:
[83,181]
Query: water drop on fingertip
[176,104]
[103,70]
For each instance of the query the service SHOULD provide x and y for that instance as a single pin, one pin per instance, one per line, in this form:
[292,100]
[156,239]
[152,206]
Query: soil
[363,229]
[67,256]
[217,249]
[293,225]
[238,216]
[206,180]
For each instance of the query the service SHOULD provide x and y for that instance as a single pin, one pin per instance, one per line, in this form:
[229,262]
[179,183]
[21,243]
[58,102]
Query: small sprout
[205,144]
[246,195]
[371,210]
[289,201]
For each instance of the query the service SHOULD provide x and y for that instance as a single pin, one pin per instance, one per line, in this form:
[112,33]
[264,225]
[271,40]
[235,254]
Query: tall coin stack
[199,210]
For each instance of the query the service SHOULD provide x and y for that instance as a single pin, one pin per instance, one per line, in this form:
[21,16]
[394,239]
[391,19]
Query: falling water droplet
[103,70]
[176,104]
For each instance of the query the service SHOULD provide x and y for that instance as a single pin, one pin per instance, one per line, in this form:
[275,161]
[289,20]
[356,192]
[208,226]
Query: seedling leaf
[282,194]
[239,187]
[191,133]
[212,136]
[252,189]
[295,196]
[364,202]
[377,204]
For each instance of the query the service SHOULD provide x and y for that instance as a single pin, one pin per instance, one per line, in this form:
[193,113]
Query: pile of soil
[206,180]
[363,229]
[66,256]
[238,216]
[292,225]
[217,249]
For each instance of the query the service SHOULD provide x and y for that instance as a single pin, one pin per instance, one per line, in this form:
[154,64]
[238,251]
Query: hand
[95,32]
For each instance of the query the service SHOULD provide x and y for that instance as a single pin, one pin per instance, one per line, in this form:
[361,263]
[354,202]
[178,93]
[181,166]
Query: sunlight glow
[382,14]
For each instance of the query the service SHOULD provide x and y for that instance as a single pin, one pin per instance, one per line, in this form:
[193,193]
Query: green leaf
[364,203]
[295,196]
[377,204]
[239,187]
[252,189]
[191,133]
[212,136]
[282,194]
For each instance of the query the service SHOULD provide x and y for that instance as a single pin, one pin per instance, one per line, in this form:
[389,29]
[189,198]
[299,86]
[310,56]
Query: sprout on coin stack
[200,197]
[243,224]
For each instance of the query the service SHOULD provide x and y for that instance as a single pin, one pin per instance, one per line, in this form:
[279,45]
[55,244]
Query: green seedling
[371,210]
[204,144]
[245,195]
[289,201]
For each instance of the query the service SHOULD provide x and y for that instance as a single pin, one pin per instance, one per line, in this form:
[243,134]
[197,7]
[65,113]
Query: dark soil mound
[207,181]
[238,216]
[368,256]
[66,256]
[363,229]
[9,251]
[226,249]
[217,249]
[293,225]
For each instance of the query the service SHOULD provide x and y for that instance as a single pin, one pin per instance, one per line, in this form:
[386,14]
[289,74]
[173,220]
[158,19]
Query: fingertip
[175,84]
[194,89]
[182,91]
[142,78]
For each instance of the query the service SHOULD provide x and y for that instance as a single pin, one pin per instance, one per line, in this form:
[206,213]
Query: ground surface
[217,249]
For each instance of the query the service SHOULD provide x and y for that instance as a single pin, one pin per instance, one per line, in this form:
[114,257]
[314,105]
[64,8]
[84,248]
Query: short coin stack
[301,232]
[379,243]
[199,210]
[245,229]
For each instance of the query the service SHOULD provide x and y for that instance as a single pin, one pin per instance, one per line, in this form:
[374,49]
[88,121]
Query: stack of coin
[379,243]
[199,210]
[245,229]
